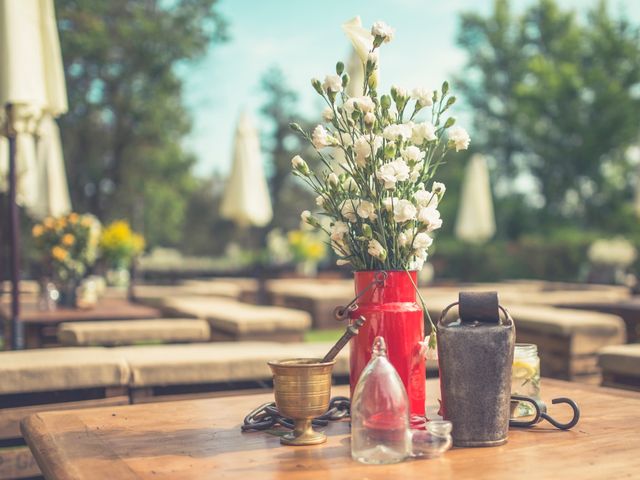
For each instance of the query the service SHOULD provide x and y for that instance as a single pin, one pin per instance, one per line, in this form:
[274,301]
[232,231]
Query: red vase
[391,312]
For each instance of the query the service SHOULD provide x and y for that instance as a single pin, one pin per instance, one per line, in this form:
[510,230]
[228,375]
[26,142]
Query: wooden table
[201,439]
[40,327]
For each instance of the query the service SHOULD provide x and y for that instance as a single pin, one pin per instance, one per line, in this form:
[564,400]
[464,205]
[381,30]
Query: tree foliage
[123,134]
[556,98]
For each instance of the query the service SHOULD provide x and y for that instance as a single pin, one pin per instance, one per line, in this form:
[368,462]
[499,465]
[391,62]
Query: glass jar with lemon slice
[525,377]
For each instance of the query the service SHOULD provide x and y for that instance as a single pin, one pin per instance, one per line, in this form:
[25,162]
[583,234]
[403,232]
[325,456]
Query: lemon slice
[522,370]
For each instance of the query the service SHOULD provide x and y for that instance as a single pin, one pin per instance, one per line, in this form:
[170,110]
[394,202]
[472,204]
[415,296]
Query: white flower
[299,164]
[367,210]
[350,185]
[423,96]
[362,148]
[369,118]
[338,230]
[327,114]
[421,242]
[375,249]
[348,210]
[404,239]
[404,211]
[423,131]
[430,217]
[305,216]
[381,29]
[416,171]
[424,198]
[389,202]
[365,104]
[342,261]
[394,131]
[345,139]
[400,92]
[459,137]
[332,83]
[320,200]
[412,154]
[333,179]
[373,57]
[321,138]
[438,188]
[392,172]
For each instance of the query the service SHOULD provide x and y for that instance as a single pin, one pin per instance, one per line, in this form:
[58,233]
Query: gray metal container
[476,355]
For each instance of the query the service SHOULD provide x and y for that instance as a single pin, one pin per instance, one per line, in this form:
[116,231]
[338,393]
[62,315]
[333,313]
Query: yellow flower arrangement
[68,245]
[119,244]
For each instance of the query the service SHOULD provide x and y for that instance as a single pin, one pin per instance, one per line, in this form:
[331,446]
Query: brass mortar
[302,387]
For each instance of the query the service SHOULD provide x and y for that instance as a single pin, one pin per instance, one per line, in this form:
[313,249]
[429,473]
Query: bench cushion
[61,369]
[159,365]
[126,332]
[620,359]
[239,318]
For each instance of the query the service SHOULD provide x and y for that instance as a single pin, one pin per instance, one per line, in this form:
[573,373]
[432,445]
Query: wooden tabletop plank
[201,439]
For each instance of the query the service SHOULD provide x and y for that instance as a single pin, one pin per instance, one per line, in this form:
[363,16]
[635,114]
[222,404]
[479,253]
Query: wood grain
[201,439]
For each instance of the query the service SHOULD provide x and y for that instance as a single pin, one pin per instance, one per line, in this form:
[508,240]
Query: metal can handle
[507,316]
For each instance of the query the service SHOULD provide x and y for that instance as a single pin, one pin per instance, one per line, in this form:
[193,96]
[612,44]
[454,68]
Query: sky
[305,40]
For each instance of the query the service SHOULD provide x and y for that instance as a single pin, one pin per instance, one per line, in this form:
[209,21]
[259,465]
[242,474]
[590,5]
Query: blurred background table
[201,439]
[40,326]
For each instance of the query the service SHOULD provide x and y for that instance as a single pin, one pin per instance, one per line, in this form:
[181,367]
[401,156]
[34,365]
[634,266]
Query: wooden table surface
[40,326]
[201,439]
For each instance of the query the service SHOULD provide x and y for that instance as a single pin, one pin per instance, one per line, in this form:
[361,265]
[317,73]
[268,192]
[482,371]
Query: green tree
[123,134]
[555,99]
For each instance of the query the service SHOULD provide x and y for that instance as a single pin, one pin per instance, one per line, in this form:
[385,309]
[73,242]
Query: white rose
[421,242]
[404,211]
[333,179]
[424,198]
[332,83]
[348,210]
[320,200]
[438,188]
[381,29]
[423,96]
[321,138]
[412,154]
[459,137]
[430,217]
[366,209]
[327,114]
[375,249]
[423,131]
[389,202]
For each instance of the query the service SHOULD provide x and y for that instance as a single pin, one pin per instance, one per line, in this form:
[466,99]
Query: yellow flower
[58,253]
[86,221]
[73,218]
[295,237]
[68,239]
[37,230]
[49,223]
[61,223]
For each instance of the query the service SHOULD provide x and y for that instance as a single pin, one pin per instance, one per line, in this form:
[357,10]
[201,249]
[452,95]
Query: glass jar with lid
[525,377]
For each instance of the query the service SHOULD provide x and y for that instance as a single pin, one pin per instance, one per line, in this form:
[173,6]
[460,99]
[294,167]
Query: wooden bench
[236,321]
[129,332]
[620,366]
[34,381]
[170,372]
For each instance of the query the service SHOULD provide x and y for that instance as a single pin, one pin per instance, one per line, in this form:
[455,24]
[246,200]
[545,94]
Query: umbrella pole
[14,234]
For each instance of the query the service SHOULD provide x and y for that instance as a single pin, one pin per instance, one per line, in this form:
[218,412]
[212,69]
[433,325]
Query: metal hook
[342,313]
[541,413]
[563,426]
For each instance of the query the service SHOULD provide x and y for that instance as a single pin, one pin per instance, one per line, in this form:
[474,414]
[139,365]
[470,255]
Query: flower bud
[333,179]
[366,231]
[389,151]
[339,68]
[345,80]
[445,87]
[296,128]
[450,121]
[300,165]
[385,102]
[317,85]
[451,101]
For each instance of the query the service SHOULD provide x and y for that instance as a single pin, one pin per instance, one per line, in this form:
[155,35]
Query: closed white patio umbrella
[32,92]
[246,199]
[476,221]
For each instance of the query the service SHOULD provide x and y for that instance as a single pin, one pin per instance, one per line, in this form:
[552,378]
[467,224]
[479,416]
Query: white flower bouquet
[380,198]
